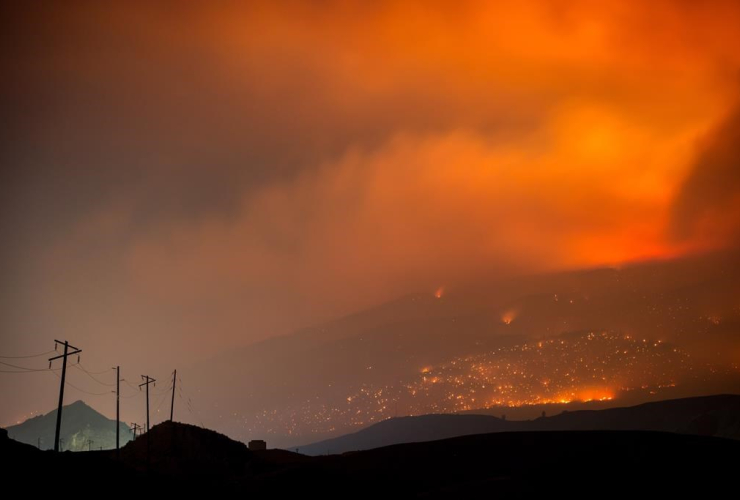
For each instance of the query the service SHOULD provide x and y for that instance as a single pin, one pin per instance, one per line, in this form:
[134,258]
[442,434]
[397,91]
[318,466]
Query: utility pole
[77,351]
[118,412]
[172,408]
[89,444]
[147,380]
[135,427]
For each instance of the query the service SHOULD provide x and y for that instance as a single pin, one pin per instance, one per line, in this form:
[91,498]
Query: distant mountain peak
[82,428]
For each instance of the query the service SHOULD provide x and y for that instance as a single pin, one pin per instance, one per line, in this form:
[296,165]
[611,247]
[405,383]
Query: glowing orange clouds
[300,150]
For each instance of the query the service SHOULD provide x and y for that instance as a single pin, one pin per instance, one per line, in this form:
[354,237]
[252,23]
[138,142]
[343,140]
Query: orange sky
[236,162]
[534,135]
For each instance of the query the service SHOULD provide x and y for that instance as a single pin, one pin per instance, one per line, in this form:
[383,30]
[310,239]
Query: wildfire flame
[588,394]
[508,316]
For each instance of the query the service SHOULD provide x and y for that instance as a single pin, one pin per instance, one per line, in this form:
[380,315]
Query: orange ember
[508,316]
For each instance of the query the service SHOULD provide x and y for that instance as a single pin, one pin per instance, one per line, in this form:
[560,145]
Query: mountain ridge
[716,415]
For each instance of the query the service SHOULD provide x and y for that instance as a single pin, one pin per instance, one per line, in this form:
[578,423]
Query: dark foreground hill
[575,464]
[179,449]
[706,416]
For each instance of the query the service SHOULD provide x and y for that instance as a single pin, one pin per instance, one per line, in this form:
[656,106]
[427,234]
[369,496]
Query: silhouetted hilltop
[410,430]
[178,448]
[705,416]
[575,463]
[11,447]
[30,470]
[578,463]
[708,416]
[82,428]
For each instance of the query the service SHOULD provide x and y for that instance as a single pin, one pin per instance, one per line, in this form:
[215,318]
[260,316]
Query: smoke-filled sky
[179,178]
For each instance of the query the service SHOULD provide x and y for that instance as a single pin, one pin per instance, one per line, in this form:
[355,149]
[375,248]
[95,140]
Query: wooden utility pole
[147,380]
[172,408]
[118,412]
[77,351]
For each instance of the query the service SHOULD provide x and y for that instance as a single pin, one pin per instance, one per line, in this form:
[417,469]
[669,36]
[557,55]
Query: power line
[28,371]
[162,399]
[25,368]
[137,393]
[189,407]
[162,396]
[189,402]
[165,391]
[89,374]
[132,386]
[29,356]
[67,382]
[96,373]
[136,390]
